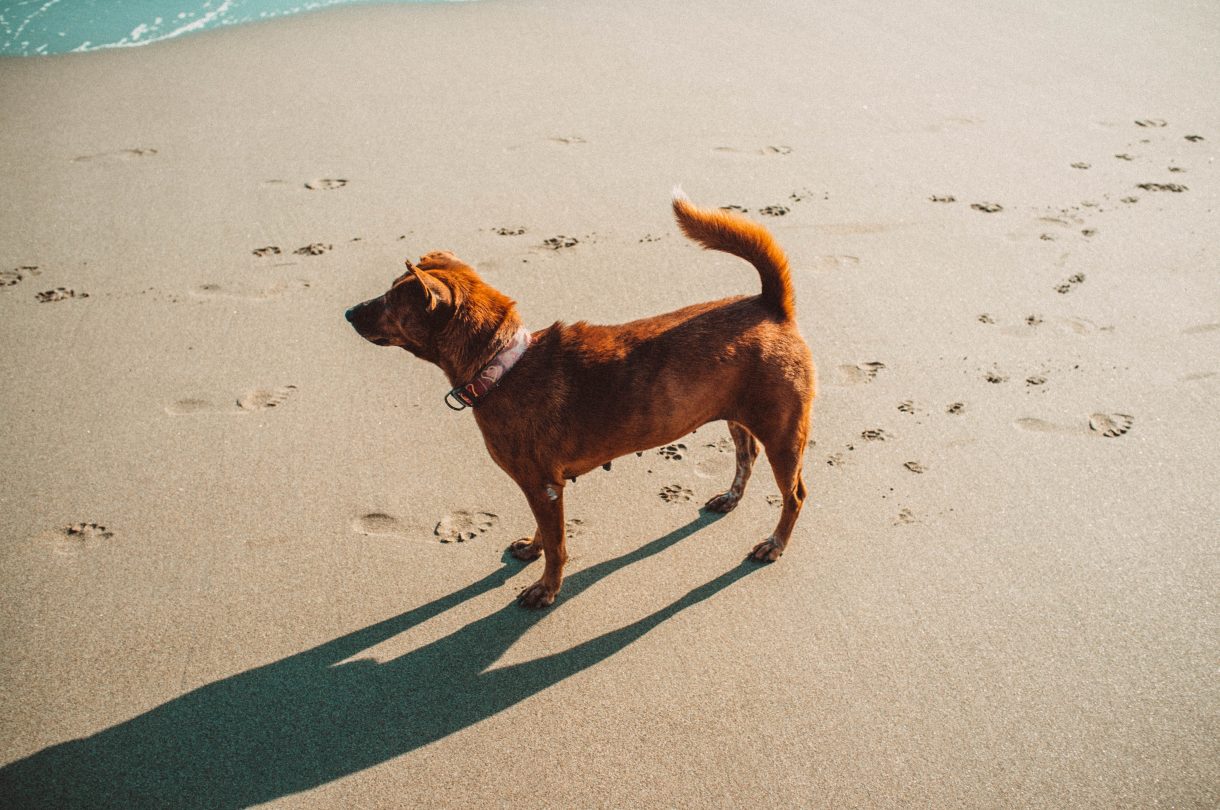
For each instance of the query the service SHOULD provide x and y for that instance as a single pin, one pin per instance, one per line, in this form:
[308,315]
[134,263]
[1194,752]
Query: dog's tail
[729,232]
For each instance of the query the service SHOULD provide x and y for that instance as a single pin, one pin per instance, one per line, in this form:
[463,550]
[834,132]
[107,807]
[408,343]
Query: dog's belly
[626,442]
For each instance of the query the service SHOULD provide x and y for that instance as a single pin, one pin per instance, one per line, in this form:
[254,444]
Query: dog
[560,402]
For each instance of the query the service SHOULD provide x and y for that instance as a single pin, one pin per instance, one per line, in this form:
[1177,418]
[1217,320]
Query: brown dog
[565,400]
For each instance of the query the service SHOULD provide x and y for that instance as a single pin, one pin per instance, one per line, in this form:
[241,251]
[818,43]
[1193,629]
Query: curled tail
[717,229]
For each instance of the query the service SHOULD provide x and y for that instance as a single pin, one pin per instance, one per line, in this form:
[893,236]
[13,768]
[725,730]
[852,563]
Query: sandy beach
[249,558]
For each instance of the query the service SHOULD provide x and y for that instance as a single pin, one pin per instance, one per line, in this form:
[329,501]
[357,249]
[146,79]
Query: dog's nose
[350,315]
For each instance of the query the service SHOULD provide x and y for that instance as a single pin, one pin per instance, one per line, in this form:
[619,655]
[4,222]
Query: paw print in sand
[673,452]
[674,493]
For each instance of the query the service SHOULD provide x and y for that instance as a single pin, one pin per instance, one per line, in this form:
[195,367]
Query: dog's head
[423,301]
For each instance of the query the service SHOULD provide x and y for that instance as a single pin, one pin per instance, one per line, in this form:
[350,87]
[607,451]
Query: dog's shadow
[306,720]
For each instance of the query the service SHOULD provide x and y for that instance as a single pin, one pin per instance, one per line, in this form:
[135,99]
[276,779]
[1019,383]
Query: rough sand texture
[223,517]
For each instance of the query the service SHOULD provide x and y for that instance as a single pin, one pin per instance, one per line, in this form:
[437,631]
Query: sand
[247,557]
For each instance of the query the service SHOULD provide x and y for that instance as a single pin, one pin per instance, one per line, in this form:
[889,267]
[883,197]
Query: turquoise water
[36,27]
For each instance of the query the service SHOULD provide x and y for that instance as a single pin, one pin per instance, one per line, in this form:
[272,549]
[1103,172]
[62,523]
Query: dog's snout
[350,315]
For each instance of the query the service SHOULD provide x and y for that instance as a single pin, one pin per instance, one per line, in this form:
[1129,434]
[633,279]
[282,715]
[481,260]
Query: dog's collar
[488,377]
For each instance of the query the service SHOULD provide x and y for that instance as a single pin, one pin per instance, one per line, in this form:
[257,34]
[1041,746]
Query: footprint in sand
[1076,326]
[1109,425]
[88,531]
[915,467]
[806,194]
[1080,326]
[313,249]
[995,377]
[261,399]
[1175,188]
[905,518]
[573,528]
[325,184]
[379,524]
[675,493]
[715,467]
[247,293]
[11,278]
[836,460]
[876,435]
[70,541]
[567,140]
[560,242]
[190,405]
[774,210]
[1035,425]
[987,207]
[766,151]
[907,406]
[118,154]
[861,372]
[943,198]
[58,294]
[460,526]
[835,262]
[955,408]
[269,250]
[513,231]
[1152,123]
[1067,286]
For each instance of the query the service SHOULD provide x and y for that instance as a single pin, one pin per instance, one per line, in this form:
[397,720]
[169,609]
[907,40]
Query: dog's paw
[768,550]
[526,549]
[538,595]
[724,502]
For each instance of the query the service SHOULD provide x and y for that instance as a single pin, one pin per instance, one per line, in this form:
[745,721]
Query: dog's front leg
[546,501]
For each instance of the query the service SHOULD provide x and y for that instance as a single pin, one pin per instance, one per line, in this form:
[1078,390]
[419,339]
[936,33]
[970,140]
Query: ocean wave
[43,27]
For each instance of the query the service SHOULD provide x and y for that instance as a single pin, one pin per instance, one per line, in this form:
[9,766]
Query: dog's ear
[435,293]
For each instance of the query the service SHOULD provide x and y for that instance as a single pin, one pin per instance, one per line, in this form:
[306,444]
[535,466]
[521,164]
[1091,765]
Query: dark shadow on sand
[303,721]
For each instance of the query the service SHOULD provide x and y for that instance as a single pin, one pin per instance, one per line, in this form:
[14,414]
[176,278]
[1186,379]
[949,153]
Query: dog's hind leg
[786,453]
[747,451]
[546,502]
